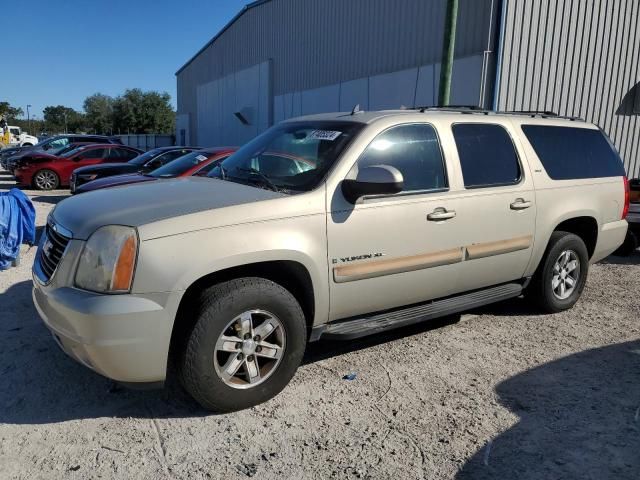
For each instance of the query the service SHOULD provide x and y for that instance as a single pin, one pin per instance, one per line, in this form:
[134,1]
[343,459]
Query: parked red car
[197,163]
[47,172]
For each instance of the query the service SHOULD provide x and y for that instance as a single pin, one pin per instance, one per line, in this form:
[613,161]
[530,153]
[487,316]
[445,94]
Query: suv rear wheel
[247,343]
[562,274]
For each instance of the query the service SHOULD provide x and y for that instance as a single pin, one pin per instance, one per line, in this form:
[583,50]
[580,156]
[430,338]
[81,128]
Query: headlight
[108,260]
[91,176]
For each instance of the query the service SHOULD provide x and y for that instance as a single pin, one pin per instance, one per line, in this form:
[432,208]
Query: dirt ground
[502,392]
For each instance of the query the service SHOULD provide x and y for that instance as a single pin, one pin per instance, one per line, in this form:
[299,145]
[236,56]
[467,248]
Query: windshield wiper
[265,180]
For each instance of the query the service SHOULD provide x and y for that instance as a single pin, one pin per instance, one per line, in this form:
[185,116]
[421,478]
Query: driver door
[388,251]
[82,159]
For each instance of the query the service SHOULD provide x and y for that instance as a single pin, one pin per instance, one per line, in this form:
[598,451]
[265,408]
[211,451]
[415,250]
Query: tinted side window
[571,153]
[172,155]
[122,153]
[412,149]
[58,143]
[487,155]
[93,153]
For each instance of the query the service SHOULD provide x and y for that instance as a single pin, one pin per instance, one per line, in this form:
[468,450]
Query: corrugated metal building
[282,58]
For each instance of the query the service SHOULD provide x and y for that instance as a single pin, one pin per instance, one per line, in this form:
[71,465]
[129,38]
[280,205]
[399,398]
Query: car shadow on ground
[633,259]
[52,199]
[579,417]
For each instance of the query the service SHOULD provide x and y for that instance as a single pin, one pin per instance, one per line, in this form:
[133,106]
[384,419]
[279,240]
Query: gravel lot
[499,393]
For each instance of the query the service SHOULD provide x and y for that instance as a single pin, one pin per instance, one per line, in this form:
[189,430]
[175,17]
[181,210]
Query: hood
[114,181]
[32,156]
[108,168]
[144,203]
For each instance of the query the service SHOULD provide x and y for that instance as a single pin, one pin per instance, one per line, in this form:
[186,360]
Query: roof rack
[454,108]
[471,109]
[542,114]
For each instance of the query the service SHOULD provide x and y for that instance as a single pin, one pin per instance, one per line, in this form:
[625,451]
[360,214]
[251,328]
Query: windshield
[145,157]
[180,165]
[290,156]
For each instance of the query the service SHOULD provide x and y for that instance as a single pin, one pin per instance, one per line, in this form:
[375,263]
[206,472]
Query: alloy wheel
[566,274]
[249,349]
[46,180]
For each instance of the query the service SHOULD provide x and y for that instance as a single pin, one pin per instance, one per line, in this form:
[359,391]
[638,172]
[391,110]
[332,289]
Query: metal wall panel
[577,58]
[245,92]
[316,43]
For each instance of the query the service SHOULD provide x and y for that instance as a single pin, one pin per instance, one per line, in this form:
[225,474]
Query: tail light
[625,209]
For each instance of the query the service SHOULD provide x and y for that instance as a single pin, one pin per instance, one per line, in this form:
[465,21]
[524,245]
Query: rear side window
[487,155]
[414,150]
[94,153]
[122,153]
[572,153]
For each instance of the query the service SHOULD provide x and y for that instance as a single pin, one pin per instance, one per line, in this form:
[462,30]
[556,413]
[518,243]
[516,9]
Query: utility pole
[29,118]
[65,122]
[448,50]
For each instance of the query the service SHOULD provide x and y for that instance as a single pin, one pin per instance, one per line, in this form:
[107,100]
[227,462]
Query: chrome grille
[52,250]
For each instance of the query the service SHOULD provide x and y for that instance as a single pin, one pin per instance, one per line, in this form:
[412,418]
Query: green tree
[63,119]
[143,112]
[9,112]
[99,113]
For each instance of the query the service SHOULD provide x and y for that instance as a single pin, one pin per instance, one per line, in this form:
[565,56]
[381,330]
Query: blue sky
[70,49]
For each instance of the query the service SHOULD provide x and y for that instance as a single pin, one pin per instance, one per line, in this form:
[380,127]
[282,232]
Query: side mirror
[373,180]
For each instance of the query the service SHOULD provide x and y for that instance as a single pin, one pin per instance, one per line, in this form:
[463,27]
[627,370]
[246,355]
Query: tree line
[133,112]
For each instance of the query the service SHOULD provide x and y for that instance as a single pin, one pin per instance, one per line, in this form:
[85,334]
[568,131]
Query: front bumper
[123,337]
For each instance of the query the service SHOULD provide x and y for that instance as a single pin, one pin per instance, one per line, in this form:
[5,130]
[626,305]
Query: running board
[379,322]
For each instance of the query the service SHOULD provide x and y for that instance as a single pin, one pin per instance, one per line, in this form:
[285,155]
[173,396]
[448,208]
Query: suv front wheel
[562,274]
[247,343]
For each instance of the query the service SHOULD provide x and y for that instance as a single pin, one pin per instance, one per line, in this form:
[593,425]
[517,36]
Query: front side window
[487,155]
[573,153]
[414,150]
[290,157]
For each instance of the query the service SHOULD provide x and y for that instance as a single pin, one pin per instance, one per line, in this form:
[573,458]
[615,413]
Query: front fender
[173,263]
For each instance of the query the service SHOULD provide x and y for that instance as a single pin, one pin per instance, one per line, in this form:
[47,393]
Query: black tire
[629,246]
[541,289]
[52,183]
[218,306]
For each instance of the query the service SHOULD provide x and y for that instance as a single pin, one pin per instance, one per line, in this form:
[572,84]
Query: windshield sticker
[324,135]
[201,158]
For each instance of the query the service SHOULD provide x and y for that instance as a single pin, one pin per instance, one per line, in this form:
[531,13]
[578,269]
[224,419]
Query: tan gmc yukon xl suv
[327,226]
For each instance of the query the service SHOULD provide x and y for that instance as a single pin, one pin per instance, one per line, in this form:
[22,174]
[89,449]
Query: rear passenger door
[496,206]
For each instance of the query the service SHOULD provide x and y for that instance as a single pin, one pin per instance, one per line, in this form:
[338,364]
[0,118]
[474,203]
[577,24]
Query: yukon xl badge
[355,258]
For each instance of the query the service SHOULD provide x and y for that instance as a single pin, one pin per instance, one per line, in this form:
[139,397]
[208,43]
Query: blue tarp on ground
[17,225]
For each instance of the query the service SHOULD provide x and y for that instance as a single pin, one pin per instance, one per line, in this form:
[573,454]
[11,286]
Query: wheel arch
[291,274]
[585,227]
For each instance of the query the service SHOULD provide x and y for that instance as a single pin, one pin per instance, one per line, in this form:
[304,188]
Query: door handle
[521,204]
[441,214]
